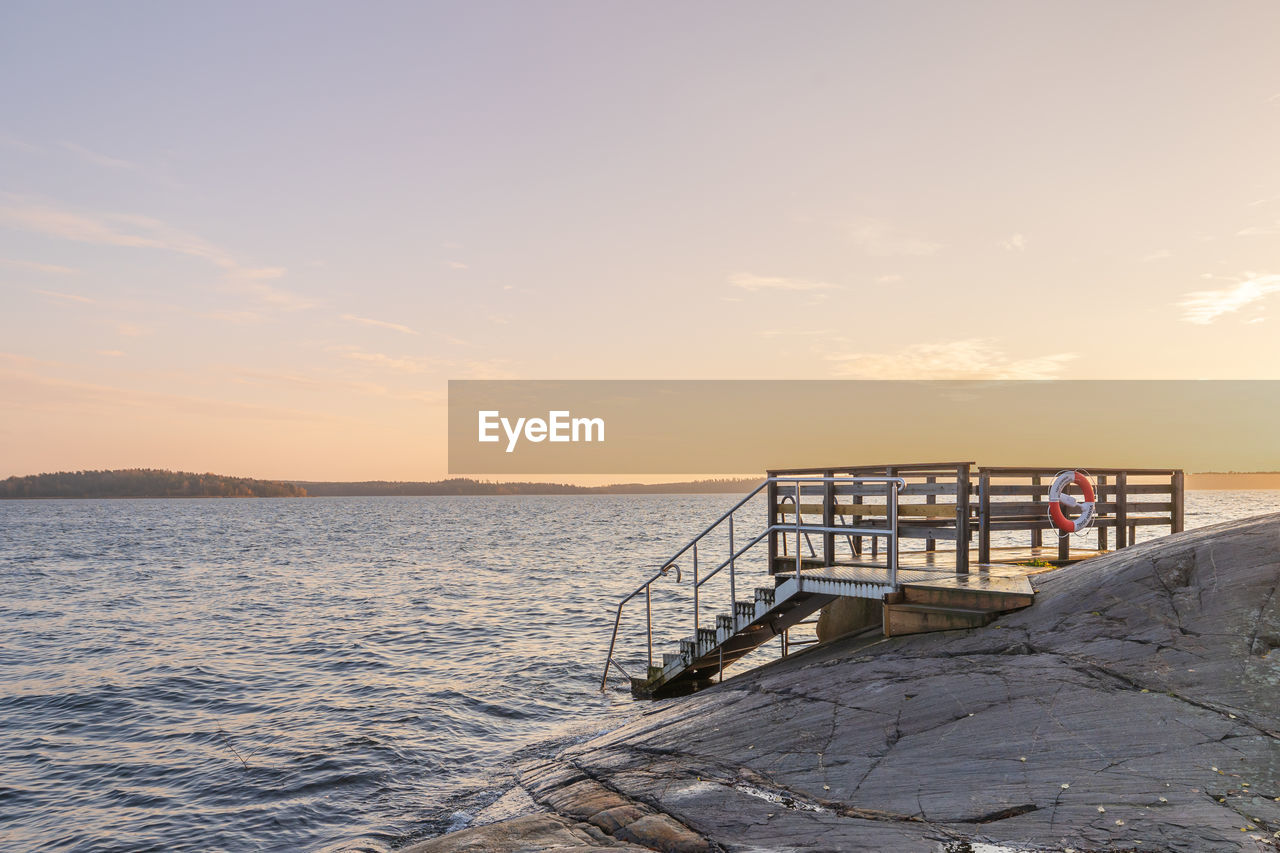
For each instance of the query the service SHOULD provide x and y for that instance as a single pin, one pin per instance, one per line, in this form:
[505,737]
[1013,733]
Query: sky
[259,238]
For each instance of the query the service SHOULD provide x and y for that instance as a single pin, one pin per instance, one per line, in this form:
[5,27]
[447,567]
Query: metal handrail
[890,531]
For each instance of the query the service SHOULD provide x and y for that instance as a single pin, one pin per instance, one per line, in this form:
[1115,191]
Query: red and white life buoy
[1058,499]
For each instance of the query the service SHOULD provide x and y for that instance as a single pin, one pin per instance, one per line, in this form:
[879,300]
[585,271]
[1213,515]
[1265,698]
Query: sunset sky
[258,239]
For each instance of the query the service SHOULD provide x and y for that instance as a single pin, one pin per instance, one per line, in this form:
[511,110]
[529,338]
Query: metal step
[703,657]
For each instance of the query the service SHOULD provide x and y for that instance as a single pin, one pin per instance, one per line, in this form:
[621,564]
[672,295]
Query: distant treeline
[143,483]
[464,486]
[1234,480]
[154,483]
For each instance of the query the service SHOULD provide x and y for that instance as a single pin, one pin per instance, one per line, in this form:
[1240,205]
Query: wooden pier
[849,532]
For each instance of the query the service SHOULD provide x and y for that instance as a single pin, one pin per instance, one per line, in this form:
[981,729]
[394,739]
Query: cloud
[96,158]
[270,295]
[65,297]
[780,333]
[456,265]
[1260,230]
[37,267]
[1203,307]
[973,358]
[326,384]
[143,232]
[129,330]
[755,283]
[398,365]
[493,368]
[1157,255]
[110,353]
[111,229]
[25,360]
[21,145]
[27,390]
[879,239]
[1014,243]
[382,324]
[240,318]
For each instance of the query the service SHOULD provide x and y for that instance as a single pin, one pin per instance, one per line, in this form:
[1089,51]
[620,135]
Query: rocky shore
[1134,706]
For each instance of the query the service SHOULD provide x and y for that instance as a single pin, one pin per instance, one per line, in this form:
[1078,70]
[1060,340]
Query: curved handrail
[798,528]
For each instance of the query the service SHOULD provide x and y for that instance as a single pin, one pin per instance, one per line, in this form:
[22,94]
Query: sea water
[323,673]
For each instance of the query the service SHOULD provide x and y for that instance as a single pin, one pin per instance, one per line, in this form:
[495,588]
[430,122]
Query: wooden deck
[1003,560]
[937,569]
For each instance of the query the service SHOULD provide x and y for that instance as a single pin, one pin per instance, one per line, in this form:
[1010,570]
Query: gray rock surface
[1134,706]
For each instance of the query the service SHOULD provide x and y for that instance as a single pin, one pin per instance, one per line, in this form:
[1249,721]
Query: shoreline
[1131,705]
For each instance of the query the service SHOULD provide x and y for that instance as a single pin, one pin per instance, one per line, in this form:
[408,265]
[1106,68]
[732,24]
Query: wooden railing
[1127,498]
[954,502]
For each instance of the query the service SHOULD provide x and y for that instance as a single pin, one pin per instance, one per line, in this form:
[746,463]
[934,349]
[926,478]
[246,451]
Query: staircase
[801,586]
[710,650]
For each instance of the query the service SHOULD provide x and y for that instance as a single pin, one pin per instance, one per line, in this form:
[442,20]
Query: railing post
[1122,509]
[857,540]
[771,518]
[733,581]
[696,611]
[984,518]
[962,520]
[1102,498]
[829,518]
[1037,537]
[608,662]
[1064,546]
[1177,491]
[891,502]
[648,620]
[930,543]
[798,532]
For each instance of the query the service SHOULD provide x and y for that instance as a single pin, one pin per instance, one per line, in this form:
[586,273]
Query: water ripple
[343,674]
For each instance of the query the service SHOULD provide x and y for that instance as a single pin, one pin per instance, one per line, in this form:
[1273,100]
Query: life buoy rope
[1058,499]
